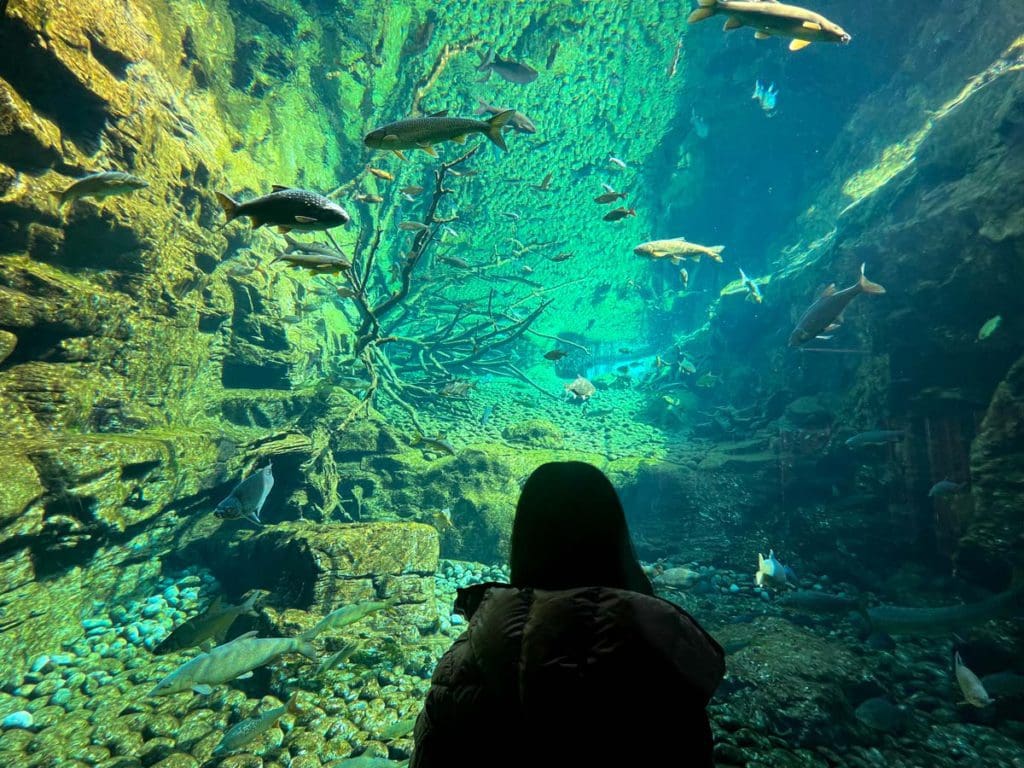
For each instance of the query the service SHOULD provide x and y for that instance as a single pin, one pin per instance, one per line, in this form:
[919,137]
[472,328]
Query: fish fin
[761,35]
[731,23]
[202,689]
[706,11]
[439,113]
[250,633]
[278,188]
[828,291]
[459,139]
[400,154]
[797,45]
[292,707]
[305,220]
[230,207]
[494,126]
[866,285]
[255,516]
[306,649]
[429,150]
[244,675]
[676,261]
[811,25]
[292,244]
[281,228]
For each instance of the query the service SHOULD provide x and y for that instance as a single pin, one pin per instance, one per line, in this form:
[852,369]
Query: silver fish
[248,497]
[245,731]
[100,185]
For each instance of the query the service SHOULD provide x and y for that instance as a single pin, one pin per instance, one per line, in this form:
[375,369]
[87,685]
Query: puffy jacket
[585,677]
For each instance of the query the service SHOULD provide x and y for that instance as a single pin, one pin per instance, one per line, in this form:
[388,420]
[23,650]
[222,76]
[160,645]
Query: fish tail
[494,126]
[866,285]
[306,649]
[706,11]
[249,606]
[291,242]
[229,205]
[717,250]
[292,707]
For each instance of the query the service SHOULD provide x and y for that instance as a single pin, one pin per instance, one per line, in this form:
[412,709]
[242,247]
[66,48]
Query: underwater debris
[825,314]
[771,572]
[287,209]
[773,19]
[99,185]
[753,292]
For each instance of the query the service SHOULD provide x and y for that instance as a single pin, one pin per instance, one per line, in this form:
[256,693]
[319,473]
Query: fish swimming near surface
[245,731]
[945,488]
[518,121]
[287,209]
[679,248]
[234,660]
[619,213]
[826,313]
[100,185]
[346,615]
[773,19]
[424,132]
[971,687]
[770,571]
[924,622]
[437,444]
[510,70]
[212,624]
[753,292]
[875,437]
[248,497]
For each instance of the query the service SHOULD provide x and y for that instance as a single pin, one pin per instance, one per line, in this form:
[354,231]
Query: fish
[248,497]
[770,571]
[233,660]
[211,624]
[555,354]
[620,164]
[545,183]
[677,578]
[518,122]
[675,59]
[562,256]
[413,226]
[510,70]
[345,292]
[827,312]
[99,185]
[510,215]
[424,132]
[437,444]
[678,248]
[991,326]
[243,732]
[684,276]
[753,292]
[619,213]
[398,729]
[687,367]
[770,18]
[923,622]
[298,246]
[708,380]
[455,261]
[875,437]
[337,658]
[945,488]
[344,616]
[412,189]
[880,713]
[816,601]
[370,199]
[971,687]
[766,97]
[380,173]
[485,417]
[318,263]
[1004,684]
[609,195]
[287,209]
[552,54]
[579,389]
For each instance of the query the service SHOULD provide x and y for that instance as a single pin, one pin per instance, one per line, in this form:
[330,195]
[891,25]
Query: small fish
[380,173]
[412,189]
[437,444]
[318,263]
[825,313]
[233,660]
[617,162]
[555,354]
[708,380]
[518,121]
[945,488]
[345,292]
[291,319]
[424,132]
[753,292]
[527,269]
[876,437]
[510,215]
[287,209]
[369,199]
[684,276]
[245,731]
[100,185]
[455,261]
[773,19]
[507,69]
[337,658]
[686,366]
[609,195]
[991,326]
[770,570]
[545,184]
[679,248]
[675,59]
[443,520]
[624,351]
[974,692]
[619,214]
[413,226]
[211,624]
[344,616]
[298,246]
[562,256]
[485,417]
[552,54]
[247,499]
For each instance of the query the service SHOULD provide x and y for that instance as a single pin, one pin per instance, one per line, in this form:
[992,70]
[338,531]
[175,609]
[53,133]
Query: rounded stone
[19,719]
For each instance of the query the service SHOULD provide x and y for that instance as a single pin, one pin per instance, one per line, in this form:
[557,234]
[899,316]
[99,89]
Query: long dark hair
[570,531]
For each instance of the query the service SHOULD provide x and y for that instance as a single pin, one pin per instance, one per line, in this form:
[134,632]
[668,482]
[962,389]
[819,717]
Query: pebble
[19,719]
[90,624]
[734,588]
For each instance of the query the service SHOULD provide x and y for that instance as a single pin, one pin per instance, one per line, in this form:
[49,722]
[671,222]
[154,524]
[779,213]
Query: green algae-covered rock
[537,433]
